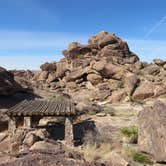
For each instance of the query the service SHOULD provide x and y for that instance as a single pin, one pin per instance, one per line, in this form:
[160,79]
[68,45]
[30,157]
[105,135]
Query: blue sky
[35,31]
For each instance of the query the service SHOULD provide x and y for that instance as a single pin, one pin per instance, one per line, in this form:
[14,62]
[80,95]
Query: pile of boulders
[103,69]
[24,139]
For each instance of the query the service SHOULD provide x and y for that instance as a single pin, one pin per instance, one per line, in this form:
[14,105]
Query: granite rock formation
[106,69]
[152,131]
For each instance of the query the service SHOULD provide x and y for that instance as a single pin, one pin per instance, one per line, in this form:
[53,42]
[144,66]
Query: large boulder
[30,139]
[77,74]
[164,66]
[151,70]
[139,65]
[113,71]
[94,78]
[99,65]
[131,81]
[43,145]
[86,106]
[75,50]
[152,131]
[8,85]
[48,66]
[102,39]
[42,76]
[112,47]
[118,96]
[159,90]
[159,62]
[83,95]
[145,90]
[81,62]
[111,51]
[62,68]
[51,77]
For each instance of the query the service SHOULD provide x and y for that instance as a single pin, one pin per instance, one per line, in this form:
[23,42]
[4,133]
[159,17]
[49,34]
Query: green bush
[131,133]
[140,157]
[140,102]
[120,84]
[80,56]
[91,113]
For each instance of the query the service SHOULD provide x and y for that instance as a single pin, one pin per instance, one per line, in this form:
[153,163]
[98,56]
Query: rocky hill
[104,69]
[104,72]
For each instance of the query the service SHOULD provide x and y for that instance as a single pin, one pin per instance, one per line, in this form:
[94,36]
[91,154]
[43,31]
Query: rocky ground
[122,97]
[101,135]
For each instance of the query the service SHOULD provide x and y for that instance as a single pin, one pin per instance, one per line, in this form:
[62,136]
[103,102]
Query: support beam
[27,122]
[69,132]
[12,124]
[35,121]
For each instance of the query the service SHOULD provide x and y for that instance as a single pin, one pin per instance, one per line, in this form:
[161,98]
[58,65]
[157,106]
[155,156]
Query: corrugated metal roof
[56,107]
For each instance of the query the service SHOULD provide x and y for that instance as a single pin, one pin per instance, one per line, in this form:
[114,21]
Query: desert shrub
[140,157]
[164,96]
[131,133]
[94,152]
[102,99]
[120,84]
[91,113]
[80,56]
[140,102]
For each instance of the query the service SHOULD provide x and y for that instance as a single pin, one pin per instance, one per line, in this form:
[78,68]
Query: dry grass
[94,152]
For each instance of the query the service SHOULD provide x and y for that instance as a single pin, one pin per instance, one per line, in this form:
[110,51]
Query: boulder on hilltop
[101,45]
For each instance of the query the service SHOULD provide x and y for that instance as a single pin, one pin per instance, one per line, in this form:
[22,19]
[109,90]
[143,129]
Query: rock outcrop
[8,85]
[105,68]
[152,131]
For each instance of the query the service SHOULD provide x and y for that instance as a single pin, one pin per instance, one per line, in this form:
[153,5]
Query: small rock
[101,114]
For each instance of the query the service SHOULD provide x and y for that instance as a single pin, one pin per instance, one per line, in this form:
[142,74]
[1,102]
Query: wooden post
[12,124]
[27,122]
[69,132]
